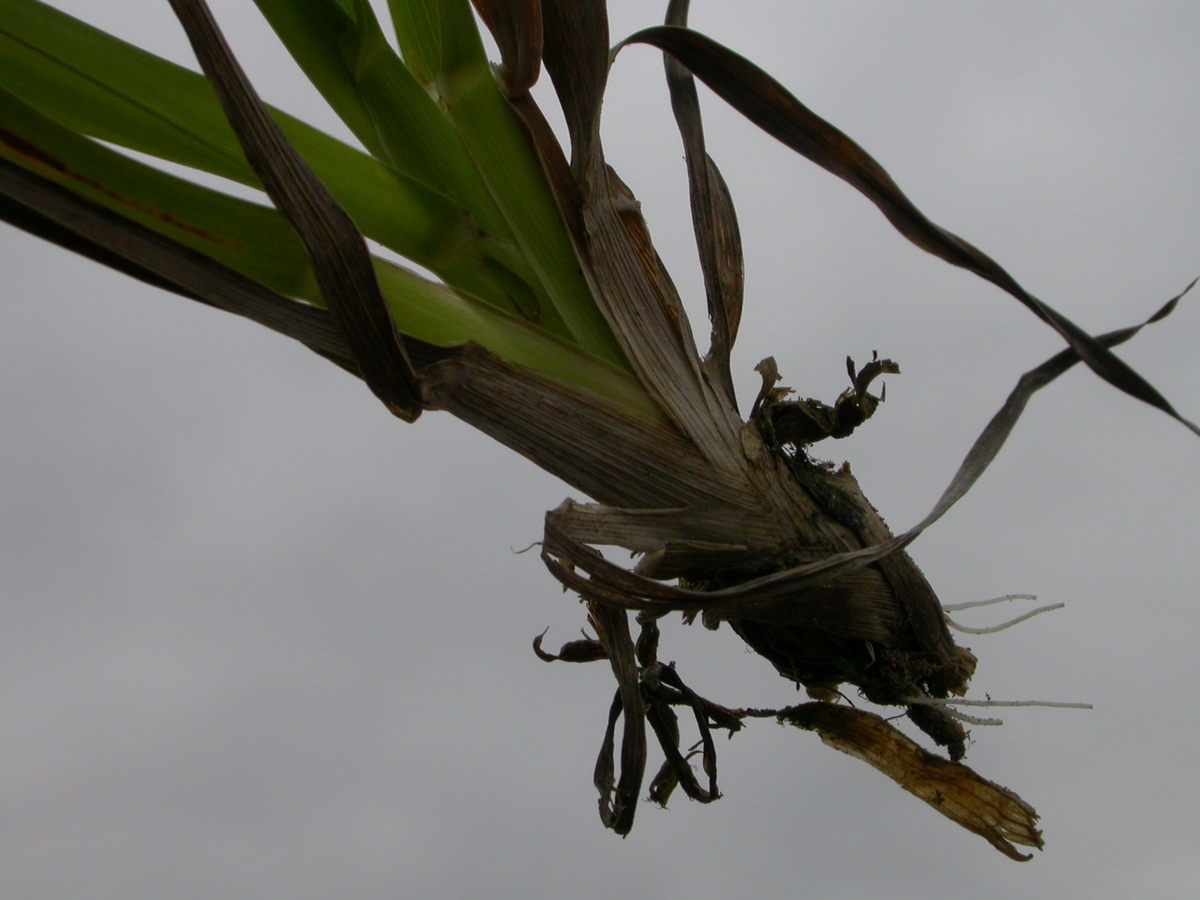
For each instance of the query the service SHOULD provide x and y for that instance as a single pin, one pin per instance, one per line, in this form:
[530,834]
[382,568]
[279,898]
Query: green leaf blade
[249,238]
[437,315]
[312,31]
[95,84]
[504,155]
[419,33]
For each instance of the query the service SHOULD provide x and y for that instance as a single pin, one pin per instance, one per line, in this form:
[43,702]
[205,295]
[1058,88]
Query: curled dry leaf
[773,108]
[714,219]
[517,27]
[334,244]
[581,651]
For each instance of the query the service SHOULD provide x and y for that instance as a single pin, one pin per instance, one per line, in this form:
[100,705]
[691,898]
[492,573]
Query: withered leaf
[619,796]
[610,583]
[769,105]
[335,247]
[632,287]
[579,651]
[587,442]
[517,27]
[714,219]
[575,53]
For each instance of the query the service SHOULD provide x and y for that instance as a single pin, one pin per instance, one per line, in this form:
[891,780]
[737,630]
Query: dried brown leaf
[575,53]
[693,559]
[854,610]
[609,454]
[640,302]
[517,27]
[631,286]
[666,728]
[613,584]
[714,219]
[579,651]
[336,248]
[643,530]
[772,107]
[618,802]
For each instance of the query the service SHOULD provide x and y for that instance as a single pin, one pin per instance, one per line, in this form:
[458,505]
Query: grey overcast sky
[260,639]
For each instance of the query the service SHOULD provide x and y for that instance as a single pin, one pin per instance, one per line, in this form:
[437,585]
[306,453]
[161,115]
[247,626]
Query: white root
[949,704]
[955,607]
[959,701]
[969,719]
[992,629]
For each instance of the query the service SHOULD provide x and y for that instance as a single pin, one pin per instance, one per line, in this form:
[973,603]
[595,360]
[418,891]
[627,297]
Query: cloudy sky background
[260,639]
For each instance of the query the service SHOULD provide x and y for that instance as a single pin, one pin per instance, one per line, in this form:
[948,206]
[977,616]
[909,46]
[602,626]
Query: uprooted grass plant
[553,327]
